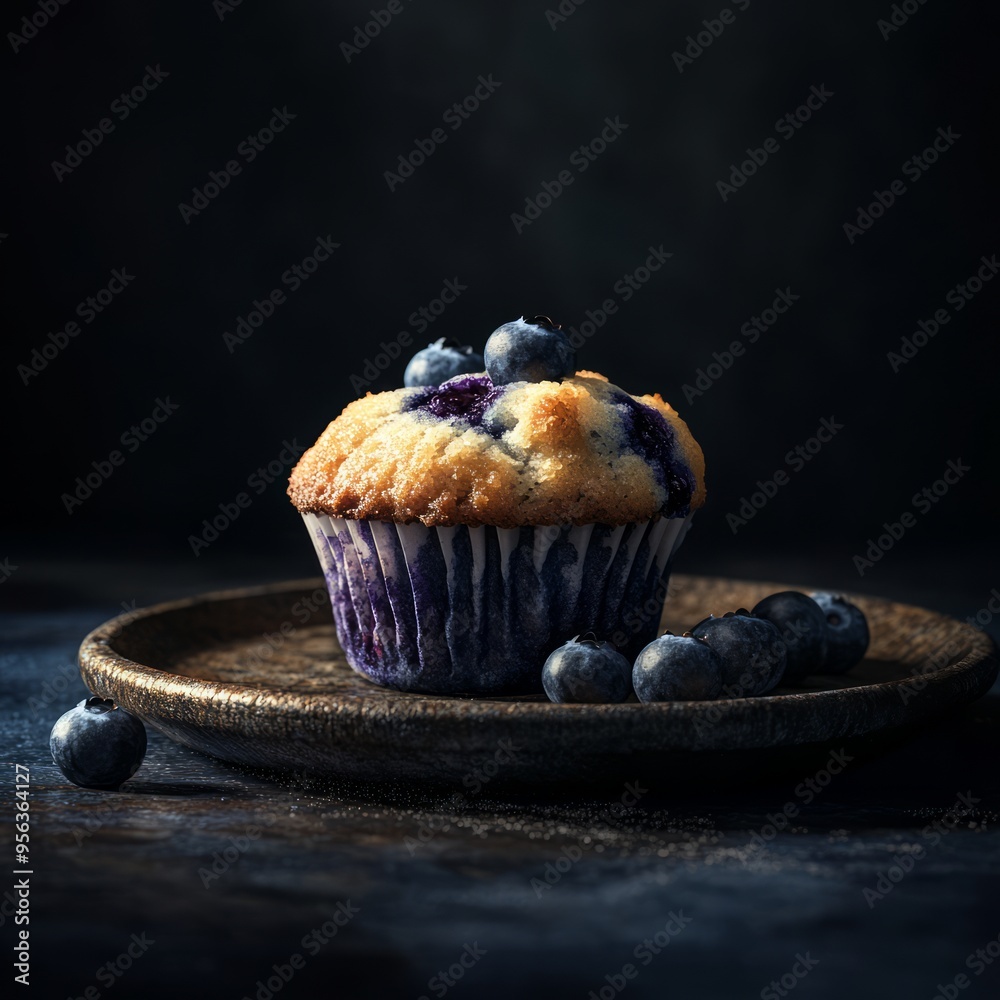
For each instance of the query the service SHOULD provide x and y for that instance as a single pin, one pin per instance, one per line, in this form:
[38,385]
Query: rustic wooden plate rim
[99,660]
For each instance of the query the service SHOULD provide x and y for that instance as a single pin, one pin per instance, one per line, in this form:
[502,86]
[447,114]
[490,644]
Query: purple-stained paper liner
[459,610]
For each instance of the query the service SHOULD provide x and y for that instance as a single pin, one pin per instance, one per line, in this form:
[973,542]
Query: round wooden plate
[256,677]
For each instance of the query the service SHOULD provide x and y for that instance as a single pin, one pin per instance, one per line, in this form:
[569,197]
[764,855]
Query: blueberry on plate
[586,669]
[440,361]
[677,668]
[97,745]
[847,634]
[751,651]
[529,351]
[803,630]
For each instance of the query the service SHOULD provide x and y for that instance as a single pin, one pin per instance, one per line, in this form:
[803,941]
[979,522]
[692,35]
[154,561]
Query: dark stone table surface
[883,883]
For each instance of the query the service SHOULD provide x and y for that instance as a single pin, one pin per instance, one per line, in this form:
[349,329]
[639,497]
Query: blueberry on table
[587,669]
[440,361]
[751,651]
[803,629]
[846,632]
[677,668]
[97,745]
[534,350]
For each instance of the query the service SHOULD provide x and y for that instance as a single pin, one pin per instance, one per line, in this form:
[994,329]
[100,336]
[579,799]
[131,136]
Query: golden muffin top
[578,450]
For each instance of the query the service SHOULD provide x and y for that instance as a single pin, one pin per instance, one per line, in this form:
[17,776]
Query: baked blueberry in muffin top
[574,451]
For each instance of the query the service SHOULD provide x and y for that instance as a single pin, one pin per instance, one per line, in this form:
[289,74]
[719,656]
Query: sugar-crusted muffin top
[577,451]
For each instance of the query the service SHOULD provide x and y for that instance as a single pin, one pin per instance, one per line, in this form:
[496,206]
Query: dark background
[655,185]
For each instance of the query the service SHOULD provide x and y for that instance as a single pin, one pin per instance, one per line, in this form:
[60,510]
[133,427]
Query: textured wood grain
[257,677]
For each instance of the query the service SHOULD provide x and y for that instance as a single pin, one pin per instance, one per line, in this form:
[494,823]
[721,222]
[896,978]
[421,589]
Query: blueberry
[803,629]
[97,745]
[751,651]
[524,351]
[587,669]
[677,668]
[440,361]
[846,632]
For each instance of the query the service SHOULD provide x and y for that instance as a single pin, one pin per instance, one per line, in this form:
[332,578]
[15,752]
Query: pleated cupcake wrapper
[455,610]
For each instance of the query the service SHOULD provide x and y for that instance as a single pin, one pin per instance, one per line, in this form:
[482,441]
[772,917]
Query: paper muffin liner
[459,610]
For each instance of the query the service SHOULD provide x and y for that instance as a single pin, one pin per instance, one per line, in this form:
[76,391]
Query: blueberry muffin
[466,529]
